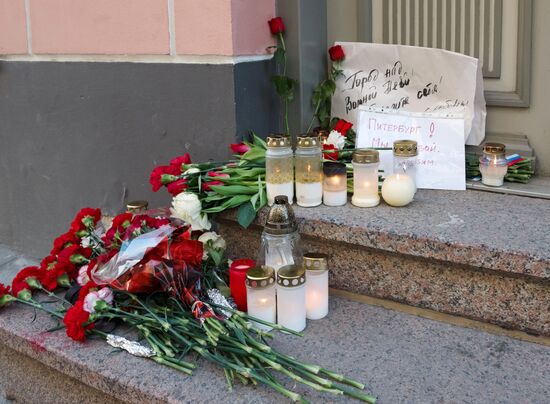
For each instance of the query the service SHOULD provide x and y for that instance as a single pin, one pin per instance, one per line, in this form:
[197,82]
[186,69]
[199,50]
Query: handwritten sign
[412,79]
[440,137]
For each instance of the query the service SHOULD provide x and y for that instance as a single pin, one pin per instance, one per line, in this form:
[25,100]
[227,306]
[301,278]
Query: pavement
[402,358]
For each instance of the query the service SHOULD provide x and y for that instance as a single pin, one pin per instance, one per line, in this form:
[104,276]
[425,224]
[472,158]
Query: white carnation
[336,139]
[92,298]
[187,207]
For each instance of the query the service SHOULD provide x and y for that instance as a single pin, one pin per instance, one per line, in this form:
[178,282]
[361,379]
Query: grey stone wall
[76,134]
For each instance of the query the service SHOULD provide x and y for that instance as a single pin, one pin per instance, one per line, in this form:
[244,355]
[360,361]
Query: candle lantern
[316,266]
[335,184]
[365,178]
[405,154]
[493,164]
[309,171]
[291,297]
[280,239]
[279,168]
[260,295]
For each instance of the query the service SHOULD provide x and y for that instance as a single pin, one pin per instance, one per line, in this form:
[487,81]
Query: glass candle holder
[405,154]
[316,266]
[309,171]
[335,184]
[260,295]
[493,164]
[280,239]
[398,190]
[365,178]
[291,297]
[137,207]
[322,134]
[279,168]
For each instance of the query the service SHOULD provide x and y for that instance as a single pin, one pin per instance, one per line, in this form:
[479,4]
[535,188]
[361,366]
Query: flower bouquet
[168,282]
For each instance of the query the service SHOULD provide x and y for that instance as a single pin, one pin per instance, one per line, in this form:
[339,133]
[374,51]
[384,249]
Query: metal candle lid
[291,276]
[494,148]
[260,277]
[332,168]
[278,140]
[137,206]
[315,262]
[309,140]
[405,148]
[280,219]
[366,156]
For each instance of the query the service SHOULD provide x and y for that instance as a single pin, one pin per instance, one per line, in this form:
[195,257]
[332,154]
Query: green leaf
[258,141]
[246,214]
[254,154]
[234,190]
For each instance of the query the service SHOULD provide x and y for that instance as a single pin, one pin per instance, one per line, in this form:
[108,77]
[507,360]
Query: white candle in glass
[493,164]
[291,298]
[335,184]
[398,190]
[260,295]
[309,173]
[316,285]
[493,175]
[365,178]
[279,168]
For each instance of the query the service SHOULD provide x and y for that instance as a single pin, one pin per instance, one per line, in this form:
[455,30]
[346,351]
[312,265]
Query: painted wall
[95,93]
[135,27]
[533,121]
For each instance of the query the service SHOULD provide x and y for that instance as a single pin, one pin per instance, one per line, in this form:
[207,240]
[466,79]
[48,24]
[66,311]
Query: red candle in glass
[237,278]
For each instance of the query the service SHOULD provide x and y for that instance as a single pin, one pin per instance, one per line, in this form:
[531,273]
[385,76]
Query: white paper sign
[412,79]
[441,160]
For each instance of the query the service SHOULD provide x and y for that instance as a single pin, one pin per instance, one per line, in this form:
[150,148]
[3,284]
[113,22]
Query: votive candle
[365,178]
[398,190]
[309,171]
[316,266]
[335,184]
[291,297]
[237,278]
[260,295]
[493,165]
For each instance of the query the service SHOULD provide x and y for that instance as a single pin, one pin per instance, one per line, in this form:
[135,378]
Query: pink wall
[13,28]
[137,27]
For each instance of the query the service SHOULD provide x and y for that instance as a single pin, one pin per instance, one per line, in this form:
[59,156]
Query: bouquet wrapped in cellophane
[168,282]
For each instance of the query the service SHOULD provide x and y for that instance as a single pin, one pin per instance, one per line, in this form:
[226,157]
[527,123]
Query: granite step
[479,255]
[401,357]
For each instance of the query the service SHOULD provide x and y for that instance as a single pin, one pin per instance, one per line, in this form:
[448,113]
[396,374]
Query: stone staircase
[479,255]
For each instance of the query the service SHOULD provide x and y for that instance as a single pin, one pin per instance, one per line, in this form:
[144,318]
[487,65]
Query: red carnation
[177,187]
[20,284]
[84,290]
[343,126]
[123,220]
[163,175]
[63,241]
[75,322]
[87,217]
[74,255]
[336,53]
[177,162]
[276,25]
[48,263]
[59,275]
[206,186]
[189,251]
[5,296]
[240,148]
[330,155]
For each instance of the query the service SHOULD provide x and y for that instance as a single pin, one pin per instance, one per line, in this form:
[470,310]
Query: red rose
[336,53]
[177,187]
[75,322]
[189,251]
[206,186]
[343,126]
[330,155]
[163,175]
[177,162]
[63,241]
[87,217]
[276,25]
[240,148]
[20,284]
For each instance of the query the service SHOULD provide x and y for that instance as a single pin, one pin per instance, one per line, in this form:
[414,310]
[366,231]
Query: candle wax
[398,190]
[493,175]
[335,198]
[274,190]
[309,194]
[291,307]
[316,294]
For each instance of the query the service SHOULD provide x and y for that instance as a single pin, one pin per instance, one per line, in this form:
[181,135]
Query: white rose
[91,299]
[187,207]
[336,139]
